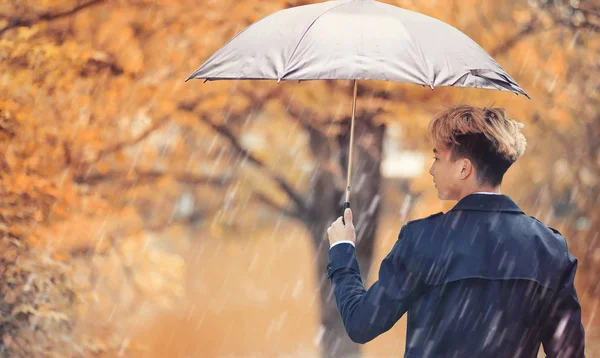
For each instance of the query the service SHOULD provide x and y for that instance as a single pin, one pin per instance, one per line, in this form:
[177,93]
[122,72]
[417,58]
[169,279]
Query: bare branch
[365,91]
[533,27]
[301,115]
[529,29]
[561,139]
[267,201]
[224,131]
[259,101]
[128,270]
[121,145]
[320,145]
[193,217]
[139,177]
[21,22]
[484,21]
[67,152]
[190,105]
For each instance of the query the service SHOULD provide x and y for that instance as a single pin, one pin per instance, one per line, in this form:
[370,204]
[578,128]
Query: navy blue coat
[482,280]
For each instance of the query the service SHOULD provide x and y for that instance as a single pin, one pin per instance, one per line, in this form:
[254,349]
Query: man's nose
[431,170]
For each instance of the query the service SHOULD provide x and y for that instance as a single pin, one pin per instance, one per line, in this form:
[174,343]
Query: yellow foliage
[77,92]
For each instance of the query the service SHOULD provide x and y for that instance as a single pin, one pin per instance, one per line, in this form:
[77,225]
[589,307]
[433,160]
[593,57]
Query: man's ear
[466,168]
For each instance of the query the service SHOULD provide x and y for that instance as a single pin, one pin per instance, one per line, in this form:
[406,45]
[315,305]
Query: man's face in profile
[446,174]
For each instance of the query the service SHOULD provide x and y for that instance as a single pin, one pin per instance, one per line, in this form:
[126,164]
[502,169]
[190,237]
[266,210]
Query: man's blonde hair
[486,136]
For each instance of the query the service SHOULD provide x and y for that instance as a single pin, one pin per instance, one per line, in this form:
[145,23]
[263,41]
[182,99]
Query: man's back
[484,279]
[494,283]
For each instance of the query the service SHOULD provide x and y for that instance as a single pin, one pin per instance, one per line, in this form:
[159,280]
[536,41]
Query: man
[482,280]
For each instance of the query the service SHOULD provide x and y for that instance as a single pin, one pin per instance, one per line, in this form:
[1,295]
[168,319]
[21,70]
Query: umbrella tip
[523,93]
[192,77]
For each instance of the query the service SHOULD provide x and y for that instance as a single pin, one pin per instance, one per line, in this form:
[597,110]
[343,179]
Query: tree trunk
[325,206]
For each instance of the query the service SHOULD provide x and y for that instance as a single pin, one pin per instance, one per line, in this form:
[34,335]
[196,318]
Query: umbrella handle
[350,149]
[346,206]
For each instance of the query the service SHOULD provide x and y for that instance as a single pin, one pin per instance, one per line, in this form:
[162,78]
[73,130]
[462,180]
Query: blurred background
[143,216]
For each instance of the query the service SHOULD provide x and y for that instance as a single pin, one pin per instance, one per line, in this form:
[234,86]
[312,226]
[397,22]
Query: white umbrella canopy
[356,40]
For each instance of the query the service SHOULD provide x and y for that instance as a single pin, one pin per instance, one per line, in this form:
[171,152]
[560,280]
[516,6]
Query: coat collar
[486,202]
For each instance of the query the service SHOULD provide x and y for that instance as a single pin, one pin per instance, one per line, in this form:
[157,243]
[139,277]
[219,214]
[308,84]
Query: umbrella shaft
[351,142]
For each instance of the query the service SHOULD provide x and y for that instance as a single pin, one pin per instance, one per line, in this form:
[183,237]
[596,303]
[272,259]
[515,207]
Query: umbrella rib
[414,44]
[418,48]
[304,34]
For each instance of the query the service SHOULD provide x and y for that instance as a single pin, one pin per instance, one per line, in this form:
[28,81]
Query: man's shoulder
[417,242]
[546,226]
[551,236]
[425,220]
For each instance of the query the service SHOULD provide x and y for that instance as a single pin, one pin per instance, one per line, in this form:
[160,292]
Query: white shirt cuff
[342,242]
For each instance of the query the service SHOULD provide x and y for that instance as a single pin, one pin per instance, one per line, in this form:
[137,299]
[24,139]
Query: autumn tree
[569,184]
[104,145]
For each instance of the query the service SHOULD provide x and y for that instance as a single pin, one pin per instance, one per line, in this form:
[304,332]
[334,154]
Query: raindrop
[297,289]
[248,119]
[405,207]
[373,205]
[561,327]
[552,84]
[319,336]
[124,346]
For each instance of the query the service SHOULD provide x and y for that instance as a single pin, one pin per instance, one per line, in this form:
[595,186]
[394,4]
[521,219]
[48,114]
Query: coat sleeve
[563,334]
[368,313]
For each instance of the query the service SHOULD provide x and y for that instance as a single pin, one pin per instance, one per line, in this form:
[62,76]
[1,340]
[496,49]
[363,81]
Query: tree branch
[365,91]
[299,116]
[21,22]
[529,29]
[121,145]
[259,101]
[532,27]
[193,217]
[484,20]
[267,201]
[224,131]
[139,177]
[320,146]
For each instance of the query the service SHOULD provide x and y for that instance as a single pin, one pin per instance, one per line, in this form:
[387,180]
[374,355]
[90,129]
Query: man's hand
[338,232]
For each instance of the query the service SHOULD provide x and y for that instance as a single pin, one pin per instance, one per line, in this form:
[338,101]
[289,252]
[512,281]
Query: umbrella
[356,40]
